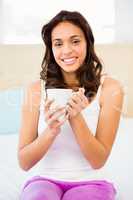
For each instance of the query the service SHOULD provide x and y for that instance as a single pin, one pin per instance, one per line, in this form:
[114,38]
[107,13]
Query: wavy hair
[89,72]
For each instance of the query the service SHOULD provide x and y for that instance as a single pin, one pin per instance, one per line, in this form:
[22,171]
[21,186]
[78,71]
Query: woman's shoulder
[112,83]
[111,87]
[34,86]
[32,92]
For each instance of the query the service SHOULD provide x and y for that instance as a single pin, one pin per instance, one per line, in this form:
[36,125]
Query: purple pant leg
[91,191]
[41,190]
[46,189]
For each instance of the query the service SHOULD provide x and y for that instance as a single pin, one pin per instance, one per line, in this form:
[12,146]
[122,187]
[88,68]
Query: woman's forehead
[66,29]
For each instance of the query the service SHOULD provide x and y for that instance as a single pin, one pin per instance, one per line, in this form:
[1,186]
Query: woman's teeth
[69,61]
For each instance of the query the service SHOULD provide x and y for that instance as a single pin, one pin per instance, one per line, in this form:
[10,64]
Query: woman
[71,148]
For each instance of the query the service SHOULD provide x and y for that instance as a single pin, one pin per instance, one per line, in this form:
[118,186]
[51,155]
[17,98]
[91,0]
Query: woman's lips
[69,61]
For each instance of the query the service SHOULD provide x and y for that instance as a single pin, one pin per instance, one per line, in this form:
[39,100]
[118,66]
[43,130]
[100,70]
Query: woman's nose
[67,49]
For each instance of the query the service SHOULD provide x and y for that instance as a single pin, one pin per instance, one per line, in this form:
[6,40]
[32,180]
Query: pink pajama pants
[40,188]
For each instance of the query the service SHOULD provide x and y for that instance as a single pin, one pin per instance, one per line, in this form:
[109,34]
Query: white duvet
[119,167]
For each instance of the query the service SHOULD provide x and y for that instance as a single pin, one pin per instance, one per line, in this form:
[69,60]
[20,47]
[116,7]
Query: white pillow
[119,167]
[12,178]
[10,110]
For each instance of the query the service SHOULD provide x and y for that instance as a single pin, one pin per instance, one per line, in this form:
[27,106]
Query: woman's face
[68,46]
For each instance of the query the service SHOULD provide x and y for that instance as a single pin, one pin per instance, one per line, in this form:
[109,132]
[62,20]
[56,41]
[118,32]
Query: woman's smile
[69,61]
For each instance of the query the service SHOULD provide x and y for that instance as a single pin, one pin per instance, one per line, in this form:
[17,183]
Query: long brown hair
[88,74]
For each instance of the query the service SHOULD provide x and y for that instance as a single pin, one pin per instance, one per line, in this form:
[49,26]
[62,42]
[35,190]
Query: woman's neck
[71,80]
[74,86]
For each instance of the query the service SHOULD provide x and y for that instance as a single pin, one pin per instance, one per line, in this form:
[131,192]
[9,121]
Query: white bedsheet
[119,167]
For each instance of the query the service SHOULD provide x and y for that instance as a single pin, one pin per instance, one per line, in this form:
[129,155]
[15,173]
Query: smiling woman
[69,142]
[70,48]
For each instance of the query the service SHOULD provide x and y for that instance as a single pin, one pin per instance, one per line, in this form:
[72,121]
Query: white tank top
[64,159]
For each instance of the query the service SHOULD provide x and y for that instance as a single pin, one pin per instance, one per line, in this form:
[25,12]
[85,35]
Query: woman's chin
[70,69]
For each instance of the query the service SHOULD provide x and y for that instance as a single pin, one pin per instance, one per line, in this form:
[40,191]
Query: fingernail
[67,116]
[82,89]
[67,106]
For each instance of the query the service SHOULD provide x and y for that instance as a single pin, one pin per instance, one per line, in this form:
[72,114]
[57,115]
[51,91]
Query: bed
[119,167]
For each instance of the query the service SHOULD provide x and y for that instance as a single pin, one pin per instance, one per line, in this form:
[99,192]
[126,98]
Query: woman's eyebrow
[73,36]
[56,39]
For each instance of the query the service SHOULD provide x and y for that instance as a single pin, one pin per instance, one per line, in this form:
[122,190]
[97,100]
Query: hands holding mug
[55,116]
[77,103]
[52,116]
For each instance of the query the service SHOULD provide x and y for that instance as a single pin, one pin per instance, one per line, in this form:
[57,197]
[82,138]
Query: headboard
[21,64]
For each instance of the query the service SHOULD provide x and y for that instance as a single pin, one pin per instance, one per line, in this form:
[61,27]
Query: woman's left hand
[77,103]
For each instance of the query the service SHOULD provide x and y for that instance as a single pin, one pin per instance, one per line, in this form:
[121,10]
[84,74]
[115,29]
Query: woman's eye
[76,41]
[57,44]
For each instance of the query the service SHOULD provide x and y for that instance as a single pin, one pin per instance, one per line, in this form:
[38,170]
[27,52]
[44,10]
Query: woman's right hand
[52,116]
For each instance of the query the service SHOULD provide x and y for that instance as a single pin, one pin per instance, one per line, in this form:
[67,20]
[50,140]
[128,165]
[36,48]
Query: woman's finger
[76,97]
[72,103]
[47,105]
[56,116]
[84,99]
[61,122]
[52,111]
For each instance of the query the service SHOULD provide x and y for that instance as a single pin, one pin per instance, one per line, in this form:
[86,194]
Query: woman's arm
[97,148]
[32,148]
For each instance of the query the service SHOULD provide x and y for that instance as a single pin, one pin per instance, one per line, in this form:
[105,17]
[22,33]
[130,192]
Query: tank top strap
[43,92]
[103,77]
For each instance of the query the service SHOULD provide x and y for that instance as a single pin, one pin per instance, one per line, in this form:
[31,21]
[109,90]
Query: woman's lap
[89,192]
[46,189]
[41,190]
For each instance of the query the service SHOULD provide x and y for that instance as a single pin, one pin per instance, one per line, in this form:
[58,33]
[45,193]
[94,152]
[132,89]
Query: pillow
[10,110]
[119,167]
[12,177]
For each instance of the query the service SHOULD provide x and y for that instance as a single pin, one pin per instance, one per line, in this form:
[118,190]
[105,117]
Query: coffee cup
[61,97]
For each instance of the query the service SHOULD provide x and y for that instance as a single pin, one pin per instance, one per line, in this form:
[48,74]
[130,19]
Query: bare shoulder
[32,94]
[111,82]
[34,86]
[111,88]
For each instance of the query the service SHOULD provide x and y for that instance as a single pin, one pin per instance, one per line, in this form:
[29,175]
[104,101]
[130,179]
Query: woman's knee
[89,192]
[41,190]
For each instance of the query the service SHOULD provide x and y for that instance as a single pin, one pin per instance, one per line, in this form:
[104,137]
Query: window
[21,21]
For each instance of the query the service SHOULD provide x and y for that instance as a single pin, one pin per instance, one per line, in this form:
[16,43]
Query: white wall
[22,20]
[21,64]
[124,21]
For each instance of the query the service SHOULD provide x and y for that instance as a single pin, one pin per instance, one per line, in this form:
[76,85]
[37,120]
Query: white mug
[61,96]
